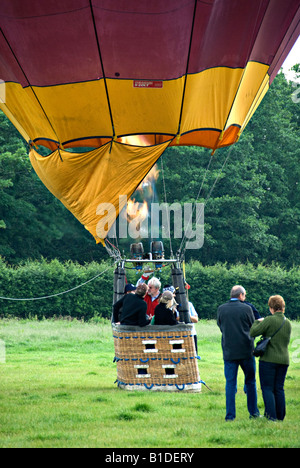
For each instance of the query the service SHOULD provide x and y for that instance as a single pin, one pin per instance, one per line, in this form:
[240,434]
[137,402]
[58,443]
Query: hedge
[36,279]
[210,287]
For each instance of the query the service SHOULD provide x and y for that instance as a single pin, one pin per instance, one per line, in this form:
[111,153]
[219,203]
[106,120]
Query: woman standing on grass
[273,365]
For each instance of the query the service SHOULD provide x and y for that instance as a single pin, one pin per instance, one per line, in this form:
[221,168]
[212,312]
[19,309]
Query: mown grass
[57,390]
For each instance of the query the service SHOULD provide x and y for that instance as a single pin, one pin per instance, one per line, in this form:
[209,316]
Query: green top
[277,350]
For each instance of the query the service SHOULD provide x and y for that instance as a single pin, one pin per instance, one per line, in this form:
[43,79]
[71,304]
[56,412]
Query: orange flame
[146,184]
[137,213]
[137,210]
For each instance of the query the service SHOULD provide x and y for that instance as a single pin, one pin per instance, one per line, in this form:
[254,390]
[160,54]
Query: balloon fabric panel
[101,73]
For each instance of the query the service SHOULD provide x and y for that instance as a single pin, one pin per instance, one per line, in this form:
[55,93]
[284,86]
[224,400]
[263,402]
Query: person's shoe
[255,416]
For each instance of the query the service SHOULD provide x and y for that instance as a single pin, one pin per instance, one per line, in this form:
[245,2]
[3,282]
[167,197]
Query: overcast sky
[292,59]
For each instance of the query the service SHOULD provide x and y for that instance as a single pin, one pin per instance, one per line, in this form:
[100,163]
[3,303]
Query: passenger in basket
[153,295]
[164,314]
[134,308]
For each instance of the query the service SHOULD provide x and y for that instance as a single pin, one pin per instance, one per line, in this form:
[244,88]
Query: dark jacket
[134,311]
[164,316]
[235,320]
[254,310]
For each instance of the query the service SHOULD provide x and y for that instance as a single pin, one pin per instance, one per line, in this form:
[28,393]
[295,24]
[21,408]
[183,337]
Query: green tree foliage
[210,287]
[32,222]
[252,214]
[35,279]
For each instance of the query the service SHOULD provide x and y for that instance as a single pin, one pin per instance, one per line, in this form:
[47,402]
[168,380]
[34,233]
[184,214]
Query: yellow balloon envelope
[129,79]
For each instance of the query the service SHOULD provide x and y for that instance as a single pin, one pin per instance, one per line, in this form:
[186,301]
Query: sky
[292,59]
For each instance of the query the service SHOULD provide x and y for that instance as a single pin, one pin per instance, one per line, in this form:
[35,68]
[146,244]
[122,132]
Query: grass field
[57,390]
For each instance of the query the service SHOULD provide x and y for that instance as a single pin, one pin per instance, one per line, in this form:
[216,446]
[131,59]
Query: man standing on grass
[235,320]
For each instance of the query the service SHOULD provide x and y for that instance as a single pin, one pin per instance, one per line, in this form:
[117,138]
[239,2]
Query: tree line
[252,214]
[209,287]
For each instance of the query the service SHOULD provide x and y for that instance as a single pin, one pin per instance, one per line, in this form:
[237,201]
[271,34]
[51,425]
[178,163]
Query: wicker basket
[157,358]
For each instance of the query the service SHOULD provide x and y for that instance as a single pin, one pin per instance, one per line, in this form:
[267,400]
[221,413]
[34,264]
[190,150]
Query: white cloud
[292,59]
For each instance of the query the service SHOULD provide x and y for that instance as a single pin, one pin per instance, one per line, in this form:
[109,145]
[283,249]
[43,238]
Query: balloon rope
[165,195]
[57,294]
[207,198]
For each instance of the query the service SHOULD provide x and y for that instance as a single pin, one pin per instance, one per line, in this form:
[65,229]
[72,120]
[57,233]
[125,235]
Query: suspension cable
[207,197]
[165,196]
[57,294]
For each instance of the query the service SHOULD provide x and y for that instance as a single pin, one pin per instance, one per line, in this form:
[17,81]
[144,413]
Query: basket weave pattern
[159,356]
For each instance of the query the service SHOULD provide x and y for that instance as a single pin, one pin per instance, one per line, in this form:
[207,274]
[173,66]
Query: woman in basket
[165,311]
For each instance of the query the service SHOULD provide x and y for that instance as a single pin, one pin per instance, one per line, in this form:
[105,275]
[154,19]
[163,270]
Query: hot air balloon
[127,79]
[124,80]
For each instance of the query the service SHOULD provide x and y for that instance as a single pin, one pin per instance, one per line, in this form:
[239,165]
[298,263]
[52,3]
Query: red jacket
[151,304]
